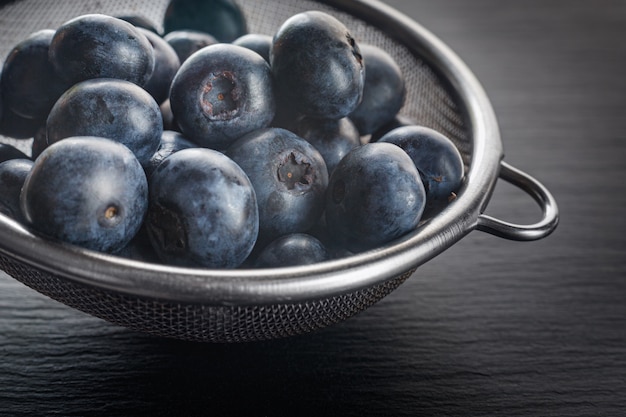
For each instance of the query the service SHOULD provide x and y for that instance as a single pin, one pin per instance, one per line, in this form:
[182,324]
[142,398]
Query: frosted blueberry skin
[398,121]
[203,210]
[169,123]
[166,64]
[8,152]
[223,19]
[220,93]
[384,91]
[437,159]
[87,191]
[13,173]
[18,127]
[374,196]
[40,142]
[100,46]
[259,43]
[317,66]
[140,248]
[171,142]
[185,42]
[292,250]
[289,177]
[30,85]
[139,21]
[111,108]
[332,138]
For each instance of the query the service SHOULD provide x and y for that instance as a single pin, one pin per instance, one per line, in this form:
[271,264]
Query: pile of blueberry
[208,146]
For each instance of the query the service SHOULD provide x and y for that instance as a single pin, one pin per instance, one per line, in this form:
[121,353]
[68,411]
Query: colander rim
[325,279]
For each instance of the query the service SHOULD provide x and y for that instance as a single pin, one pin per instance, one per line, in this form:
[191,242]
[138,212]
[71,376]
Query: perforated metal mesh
[428,103]
[198,322]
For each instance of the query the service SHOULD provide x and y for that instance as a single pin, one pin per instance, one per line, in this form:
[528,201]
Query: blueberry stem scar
[295,172]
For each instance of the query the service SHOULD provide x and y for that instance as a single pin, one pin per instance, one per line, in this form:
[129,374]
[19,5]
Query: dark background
[490,327]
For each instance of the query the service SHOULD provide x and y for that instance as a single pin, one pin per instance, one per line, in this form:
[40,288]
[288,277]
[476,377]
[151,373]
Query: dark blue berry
[109,108]
[398,121]
[289,177]
[10,152]
[185,42]
[171,142]
[30,85]
[384,90]
[139,21]
[287,117]
[88,191]
[374,196]
[437,159]
[166,64]
[169,123]
[18,127]
[221,93]
[13,173]
[101,46]
[335,248]
[332,138]
[317,66]
[292,250]
[259,43]
[140,248]
[40,142]
[223,19]
[203,211]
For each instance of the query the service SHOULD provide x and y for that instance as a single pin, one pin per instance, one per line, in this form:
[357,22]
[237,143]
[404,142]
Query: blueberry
[13,173]
[286,116]
[139,21]
[40,142]
[384,90]
[374,195]
[166,64]
[292,250]
[203,211]
[185,42]
[332,138]
[169,123]
[18,127]
[289,177]
[259,43]
[398,121]
[171,142]
[100,46]
[335,248]
[109,108]
[30,85]
[140,248]
[437,159]
[317,66]
[221,93]
[223,19]
[87,191]
[8,152]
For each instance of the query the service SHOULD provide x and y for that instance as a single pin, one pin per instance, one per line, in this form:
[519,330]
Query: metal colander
[247,304]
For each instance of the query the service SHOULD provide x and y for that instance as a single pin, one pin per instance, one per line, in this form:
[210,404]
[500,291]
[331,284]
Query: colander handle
[542,196]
